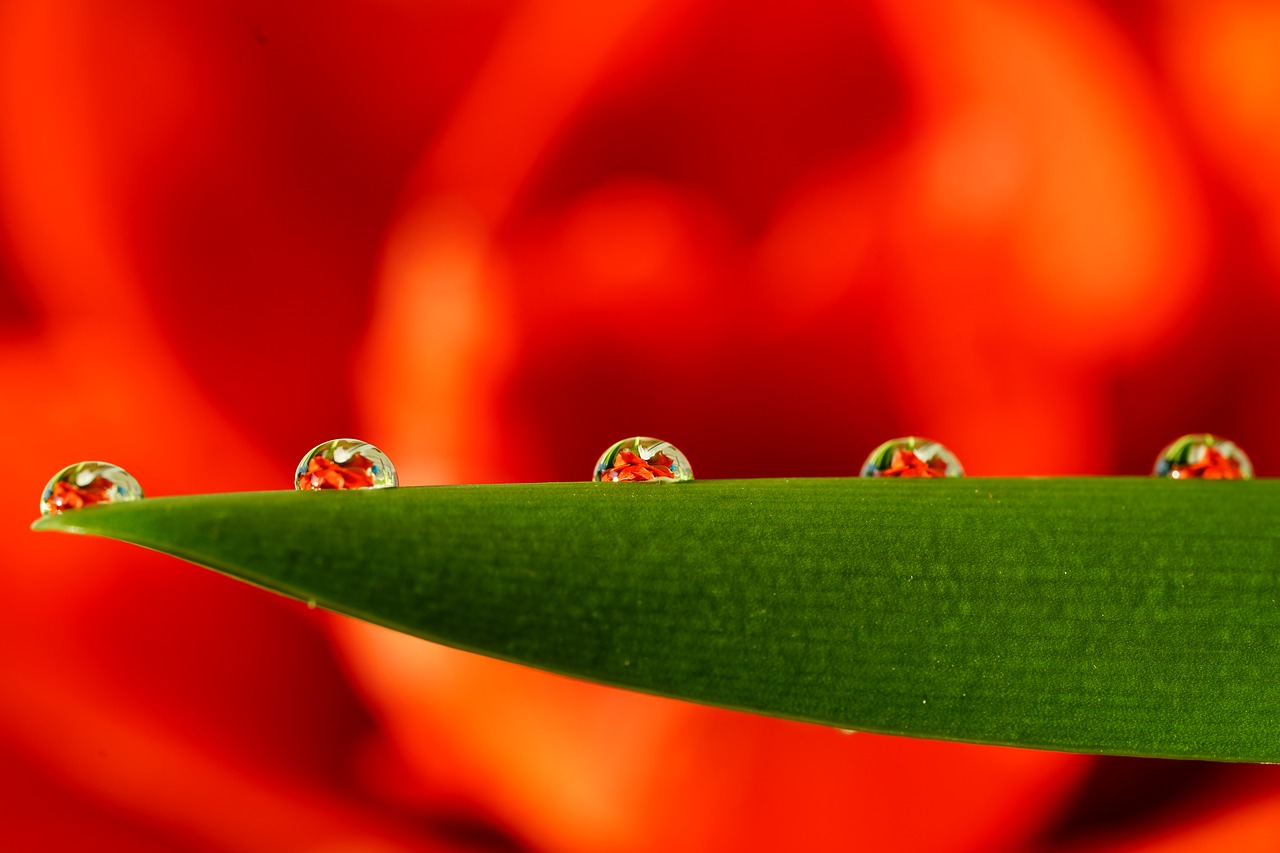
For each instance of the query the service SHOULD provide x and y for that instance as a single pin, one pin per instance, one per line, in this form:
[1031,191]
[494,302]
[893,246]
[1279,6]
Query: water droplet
[345,463]
[642,460]
[847,731]
[86,484]
[311,604]
[912,456]
[1203,456]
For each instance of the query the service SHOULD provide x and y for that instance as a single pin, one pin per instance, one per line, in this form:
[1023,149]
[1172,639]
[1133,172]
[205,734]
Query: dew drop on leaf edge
[642,459]
[88,484]
[912,456]
[1203,456]
[344,463]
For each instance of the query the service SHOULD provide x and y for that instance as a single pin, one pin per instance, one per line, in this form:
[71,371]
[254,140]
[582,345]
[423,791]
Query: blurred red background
[1048,235]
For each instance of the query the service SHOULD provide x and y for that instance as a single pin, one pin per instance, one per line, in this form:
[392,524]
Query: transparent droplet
[912,456]
[1203,456]
[86,484]
[345,463]
[642,460]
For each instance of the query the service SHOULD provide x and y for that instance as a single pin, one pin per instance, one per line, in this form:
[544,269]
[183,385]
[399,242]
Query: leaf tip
[56,524]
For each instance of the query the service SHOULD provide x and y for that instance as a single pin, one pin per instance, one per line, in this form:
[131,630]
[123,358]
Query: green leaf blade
[1110,615]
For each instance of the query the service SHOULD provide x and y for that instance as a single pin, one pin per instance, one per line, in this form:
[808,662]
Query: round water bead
[1203,456]
[912,456]
[86,484]
[642,460]
[345,463]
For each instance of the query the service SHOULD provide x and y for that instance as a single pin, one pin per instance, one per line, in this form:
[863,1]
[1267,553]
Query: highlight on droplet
[641,459]
[912,456]
[88,484]
[345,463]
[1203,456]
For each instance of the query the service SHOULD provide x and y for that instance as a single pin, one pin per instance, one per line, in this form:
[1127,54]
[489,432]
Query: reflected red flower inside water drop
[324,473]
[907,464]
[1214,465]
[629,466]
[69,496]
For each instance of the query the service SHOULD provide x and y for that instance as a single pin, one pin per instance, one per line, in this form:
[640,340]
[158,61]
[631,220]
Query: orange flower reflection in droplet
[324,473]
[907,464]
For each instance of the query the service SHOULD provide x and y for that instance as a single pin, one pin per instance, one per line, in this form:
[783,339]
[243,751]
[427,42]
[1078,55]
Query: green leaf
[1109,615]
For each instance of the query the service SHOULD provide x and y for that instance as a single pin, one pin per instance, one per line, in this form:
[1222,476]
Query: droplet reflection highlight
[345,463]
[1203,456]
[912,456]
[641,459]
[88,484]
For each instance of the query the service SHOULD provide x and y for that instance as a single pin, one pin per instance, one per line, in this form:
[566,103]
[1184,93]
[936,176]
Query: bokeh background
[493,237]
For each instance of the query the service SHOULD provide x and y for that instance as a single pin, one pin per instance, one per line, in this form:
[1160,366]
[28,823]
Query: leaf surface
[1129,616]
